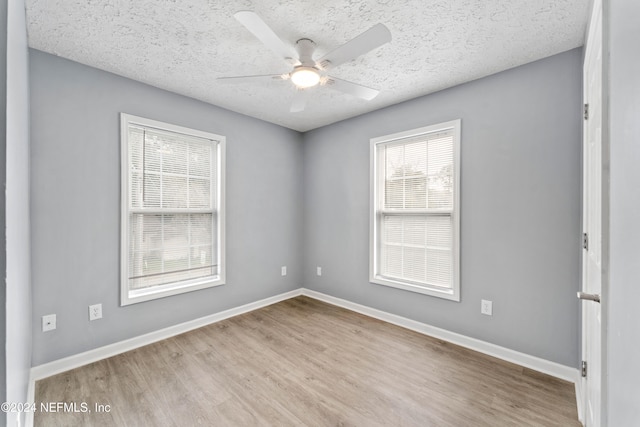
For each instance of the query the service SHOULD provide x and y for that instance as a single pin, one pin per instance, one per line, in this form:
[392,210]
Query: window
[172,228]
[415,217]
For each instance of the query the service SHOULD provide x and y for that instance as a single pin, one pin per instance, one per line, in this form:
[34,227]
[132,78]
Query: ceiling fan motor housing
[305,49]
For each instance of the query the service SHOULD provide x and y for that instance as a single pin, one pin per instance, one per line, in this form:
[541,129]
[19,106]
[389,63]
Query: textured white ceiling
[184,45]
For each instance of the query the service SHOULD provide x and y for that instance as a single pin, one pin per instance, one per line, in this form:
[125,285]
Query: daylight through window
[173,216]
[415,213]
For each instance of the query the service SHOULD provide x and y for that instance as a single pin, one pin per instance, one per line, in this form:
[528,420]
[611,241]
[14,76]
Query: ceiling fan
[308,72]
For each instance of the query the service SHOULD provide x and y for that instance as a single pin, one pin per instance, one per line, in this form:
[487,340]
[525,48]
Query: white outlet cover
[283,270]
[319,271]
[48,322]
[95,312]
[486,307]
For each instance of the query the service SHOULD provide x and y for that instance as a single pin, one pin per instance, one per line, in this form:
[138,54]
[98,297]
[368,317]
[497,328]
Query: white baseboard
[61,365]
[557,370]
[541,365]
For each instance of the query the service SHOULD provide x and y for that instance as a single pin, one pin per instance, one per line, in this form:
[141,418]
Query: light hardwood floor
[302,362]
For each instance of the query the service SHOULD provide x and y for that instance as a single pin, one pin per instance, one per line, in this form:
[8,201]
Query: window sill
[449,294]
[142,295]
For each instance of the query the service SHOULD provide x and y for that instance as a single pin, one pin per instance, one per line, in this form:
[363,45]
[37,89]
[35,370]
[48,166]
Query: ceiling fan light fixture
[304,77]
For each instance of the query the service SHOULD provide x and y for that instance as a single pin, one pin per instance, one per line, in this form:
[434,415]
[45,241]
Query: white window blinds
[417,248]
[172,217]
[418,173]
[415,210]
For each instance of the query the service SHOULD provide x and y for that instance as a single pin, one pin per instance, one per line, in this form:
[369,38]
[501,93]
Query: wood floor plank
[302,362]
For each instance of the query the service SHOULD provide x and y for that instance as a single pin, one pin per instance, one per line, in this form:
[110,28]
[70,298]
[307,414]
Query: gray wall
[18,297]
[520,207]
[623,335]
[76,206]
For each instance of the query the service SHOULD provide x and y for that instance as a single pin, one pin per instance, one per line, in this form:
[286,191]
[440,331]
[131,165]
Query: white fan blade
[258,28]
[372,38]
[299,101]
[249,79]
[352,88]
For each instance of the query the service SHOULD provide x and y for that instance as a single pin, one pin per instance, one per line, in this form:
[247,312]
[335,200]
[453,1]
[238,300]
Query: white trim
[566,373]
[143,121]
[222,209]
[557,370]
[128,297]
[579,385]
[593,40]
[61,365]
[376,181]
[31,398]
[77,360]
[421,288]
[541,365]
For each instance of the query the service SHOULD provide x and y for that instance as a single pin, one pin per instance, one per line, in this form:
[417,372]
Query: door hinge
[586,111]
[585,241]
[583,369]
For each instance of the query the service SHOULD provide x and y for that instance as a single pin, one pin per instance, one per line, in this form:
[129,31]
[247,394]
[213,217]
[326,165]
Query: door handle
[589,297]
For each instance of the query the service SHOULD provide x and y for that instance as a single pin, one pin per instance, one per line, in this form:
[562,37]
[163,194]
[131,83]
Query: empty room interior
[412,213]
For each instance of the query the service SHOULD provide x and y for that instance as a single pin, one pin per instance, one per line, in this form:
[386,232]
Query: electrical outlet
[283,270]
[48,322]
[486,307]
[319,271]
[95,312]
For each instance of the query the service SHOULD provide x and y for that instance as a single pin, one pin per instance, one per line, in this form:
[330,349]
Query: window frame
[128,297]
[377,179]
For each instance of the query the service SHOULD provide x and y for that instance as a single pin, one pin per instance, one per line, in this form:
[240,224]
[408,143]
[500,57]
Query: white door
[592,217]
